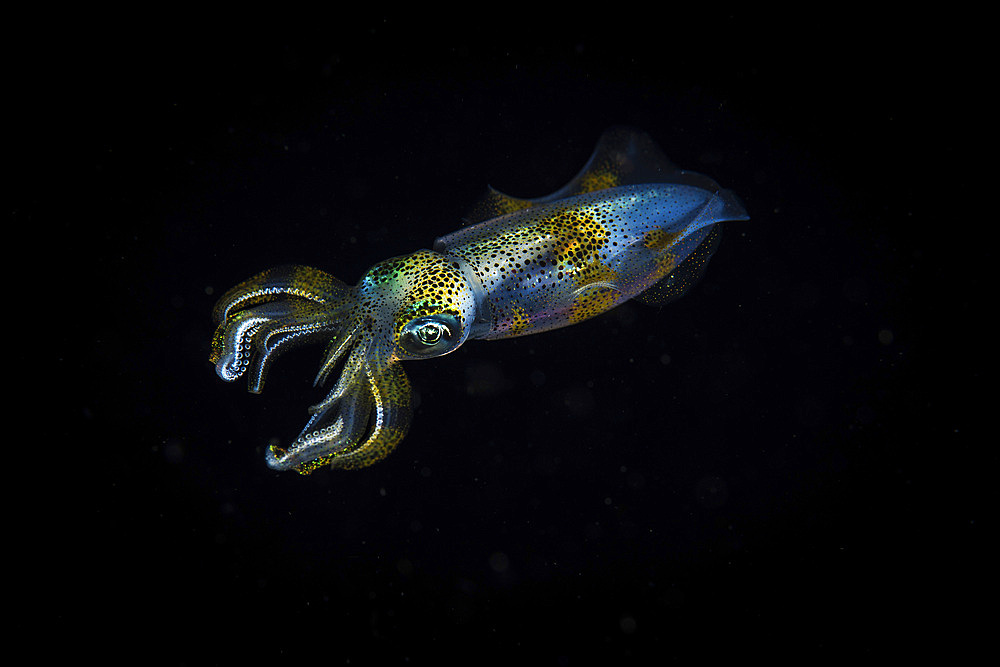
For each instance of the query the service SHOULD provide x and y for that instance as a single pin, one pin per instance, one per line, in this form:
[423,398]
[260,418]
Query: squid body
[629,225]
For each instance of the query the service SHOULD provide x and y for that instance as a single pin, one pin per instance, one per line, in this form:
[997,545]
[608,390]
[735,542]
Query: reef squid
[629,225]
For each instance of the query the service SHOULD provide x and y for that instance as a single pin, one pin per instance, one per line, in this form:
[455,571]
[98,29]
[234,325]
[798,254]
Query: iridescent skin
[629,225]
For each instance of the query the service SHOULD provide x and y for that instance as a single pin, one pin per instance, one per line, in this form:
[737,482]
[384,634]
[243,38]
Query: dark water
[766,467]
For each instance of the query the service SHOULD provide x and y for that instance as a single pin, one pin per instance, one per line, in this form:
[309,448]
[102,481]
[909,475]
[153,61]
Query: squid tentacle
[335,351]
[393,410]
[289,281]
[354,368]
[386,399]
[272,312]
[338,427]
[273,339]
[233,343]
[251,339]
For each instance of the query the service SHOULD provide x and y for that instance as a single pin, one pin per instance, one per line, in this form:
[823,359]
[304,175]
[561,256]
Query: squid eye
[431,333]
[430,336]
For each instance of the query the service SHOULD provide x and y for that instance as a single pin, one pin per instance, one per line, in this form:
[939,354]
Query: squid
[630,225]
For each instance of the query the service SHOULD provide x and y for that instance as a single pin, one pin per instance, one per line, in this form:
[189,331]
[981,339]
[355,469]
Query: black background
[784,463]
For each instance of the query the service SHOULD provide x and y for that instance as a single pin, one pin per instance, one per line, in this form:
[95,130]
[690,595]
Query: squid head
[416,306]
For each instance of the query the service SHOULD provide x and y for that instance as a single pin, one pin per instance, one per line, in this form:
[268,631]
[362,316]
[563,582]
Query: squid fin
[623,156]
